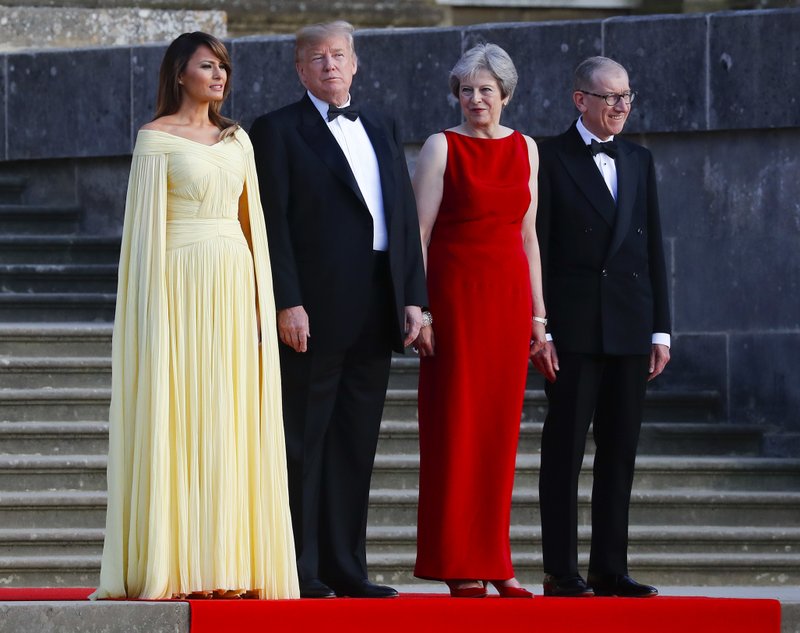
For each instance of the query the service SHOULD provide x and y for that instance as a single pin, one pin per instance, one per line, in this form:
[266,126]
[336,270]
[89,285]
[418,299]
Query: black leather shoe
[620,585]
[315,589]
[366,589]
[566,587]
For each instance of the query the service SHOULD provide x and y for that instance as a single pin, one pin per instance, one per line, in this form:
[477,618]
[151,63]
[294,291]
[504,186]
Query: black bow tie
[609,148]
[348,111]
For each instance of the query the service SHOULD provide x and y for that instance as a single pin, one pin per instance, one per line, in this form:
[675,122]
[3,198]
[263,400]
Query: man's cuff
[661,338]
[548,337]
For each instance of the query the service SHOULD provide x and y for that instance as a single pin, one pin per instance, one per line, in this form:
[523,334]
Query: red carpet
[421,613]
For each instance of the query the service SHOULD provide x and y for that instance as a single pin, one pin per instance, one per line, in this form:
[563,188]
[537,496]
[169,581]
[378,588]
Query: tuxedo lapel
[383,152]
[316,134]
[577,159]
[626,194]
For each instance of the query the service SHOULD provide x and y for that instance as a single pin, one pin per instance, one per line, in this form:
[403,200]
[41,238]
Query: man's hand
[659,357]
[413,324]
[293,328]
[546,361]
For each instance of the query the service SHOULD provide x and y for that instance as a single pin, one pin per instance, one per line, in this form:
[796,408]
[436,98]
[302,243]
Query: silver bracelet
[427,319]
[542,320]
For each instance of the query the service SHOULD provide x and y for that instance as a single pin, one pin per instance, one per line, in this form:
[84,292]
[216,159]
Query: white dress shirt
[357,148]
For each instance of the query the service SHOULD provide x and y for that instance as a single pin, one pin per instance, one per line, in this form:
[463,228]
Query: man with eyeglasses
[605,286]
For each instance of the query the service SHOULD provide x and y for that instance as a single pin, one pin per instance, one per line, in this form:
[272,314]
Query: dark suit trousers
[332,406]
[611,390]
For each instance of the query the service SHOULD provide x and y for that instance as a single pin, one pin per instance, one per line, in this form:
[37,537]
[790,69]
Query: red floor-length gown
[471,390]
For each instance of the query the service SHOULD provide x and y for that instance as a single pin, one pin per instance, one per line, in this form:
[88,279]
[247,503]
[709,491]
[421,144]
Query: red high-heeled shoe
[506,591]
[466,592]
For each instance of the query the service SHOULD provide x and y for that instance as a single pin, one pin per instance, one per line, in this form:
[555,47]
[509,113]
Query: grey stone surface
[3,123]
[406,76]
[145,62]
[666,61]
[754,69]
[102,184]
[697,361]
[94,617]
[264,77]
[45,27]
[545,56]
[765,373]
[68,104]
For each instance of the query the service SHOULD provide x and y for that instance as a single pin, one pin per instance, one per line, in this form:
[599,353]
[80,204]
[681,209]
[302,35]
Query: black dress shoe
[620,585]
[566,587]
[315,589]
[366,589]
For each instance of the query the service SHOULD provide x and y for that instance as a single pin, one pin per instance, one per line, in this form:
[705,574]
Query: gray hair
[314,34]
[586,70]
[485,57]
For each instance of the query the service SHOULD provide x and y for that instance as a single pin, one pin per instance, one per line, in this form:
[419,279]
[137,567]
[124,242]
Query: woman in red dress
[475,186]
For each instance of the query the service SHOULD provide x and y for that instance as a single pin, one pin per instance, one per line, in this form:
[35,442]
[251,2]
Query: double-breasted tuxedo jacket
[605,288]
[604,272]
[321,247]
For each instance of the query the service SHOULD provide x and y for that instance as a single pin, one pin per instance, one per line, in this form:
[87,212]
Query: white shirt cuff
[661,338]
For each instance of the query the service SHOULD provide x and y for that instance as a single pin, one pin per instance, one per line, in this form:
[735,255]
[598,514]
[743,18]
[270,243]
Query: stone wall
[39,27]
[716,105]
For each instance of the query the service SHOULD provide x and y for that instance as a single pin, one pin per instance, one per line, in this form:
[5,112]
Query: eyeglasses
[613,99]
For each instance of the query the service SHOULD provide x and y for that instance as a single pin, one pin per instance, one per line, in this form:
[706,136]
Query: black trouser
[332,407]
[610,390]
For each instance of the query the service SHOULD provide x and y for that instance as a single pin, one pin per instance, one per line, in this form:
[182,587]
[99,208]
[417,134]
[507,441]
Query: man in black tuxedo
[605,286]
[349,283]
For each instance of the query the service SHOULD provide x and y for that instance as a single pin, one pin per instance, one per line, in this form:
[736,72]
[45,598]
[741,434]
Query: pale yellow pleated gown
[197,490]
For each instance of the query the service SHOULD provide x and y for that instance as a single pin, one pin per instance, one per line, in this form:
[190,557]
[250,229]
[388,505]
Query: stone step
[401,472]
[35,473]
[658,569]
[56,307]
[660,406]
[11,188]
[76,570]
[53,542]
[35,372]
[23,219]
[54,438]
[58,249]
[55,339]
[642,539]
[657,438]
[61,278]
[30,405]
[53,509]
[648,507]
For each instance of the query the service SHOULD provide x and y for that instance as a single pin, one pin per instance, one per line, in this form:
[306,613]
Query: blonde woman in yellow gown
[197,492]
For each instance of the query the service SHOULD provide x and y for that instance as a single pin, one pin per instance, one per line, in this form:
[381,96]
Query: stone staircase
[707,508]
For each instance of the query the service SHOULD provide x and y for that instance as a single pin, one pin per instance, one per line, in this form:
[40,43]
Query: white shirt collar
[586,135]
[322,106]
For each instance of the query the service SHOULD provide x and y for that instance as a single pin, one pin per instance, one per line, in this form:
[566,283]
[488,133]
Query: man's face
[601,119]
[326,69]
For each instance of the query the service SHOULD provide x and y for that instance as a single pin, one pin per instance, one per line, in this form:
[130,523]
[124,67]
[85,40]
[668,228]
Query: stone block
[3,112]
[405,74]
[102,183]
[754,65]
[264,77]
[764,378]
[730,285]
[145,62]
[545,55]
[94,617]
[47,27]
[68,105]
[697,361]
[666,63]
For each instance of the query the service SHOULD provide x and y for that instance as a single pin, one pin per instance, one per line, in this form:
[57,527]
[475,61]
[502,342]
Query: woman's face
[481,100]
[204,77]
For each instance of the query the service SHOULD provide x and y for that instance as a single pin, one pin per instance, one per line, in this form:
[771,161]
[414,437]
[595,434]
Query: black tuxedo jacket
[604,274]
[319,227]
